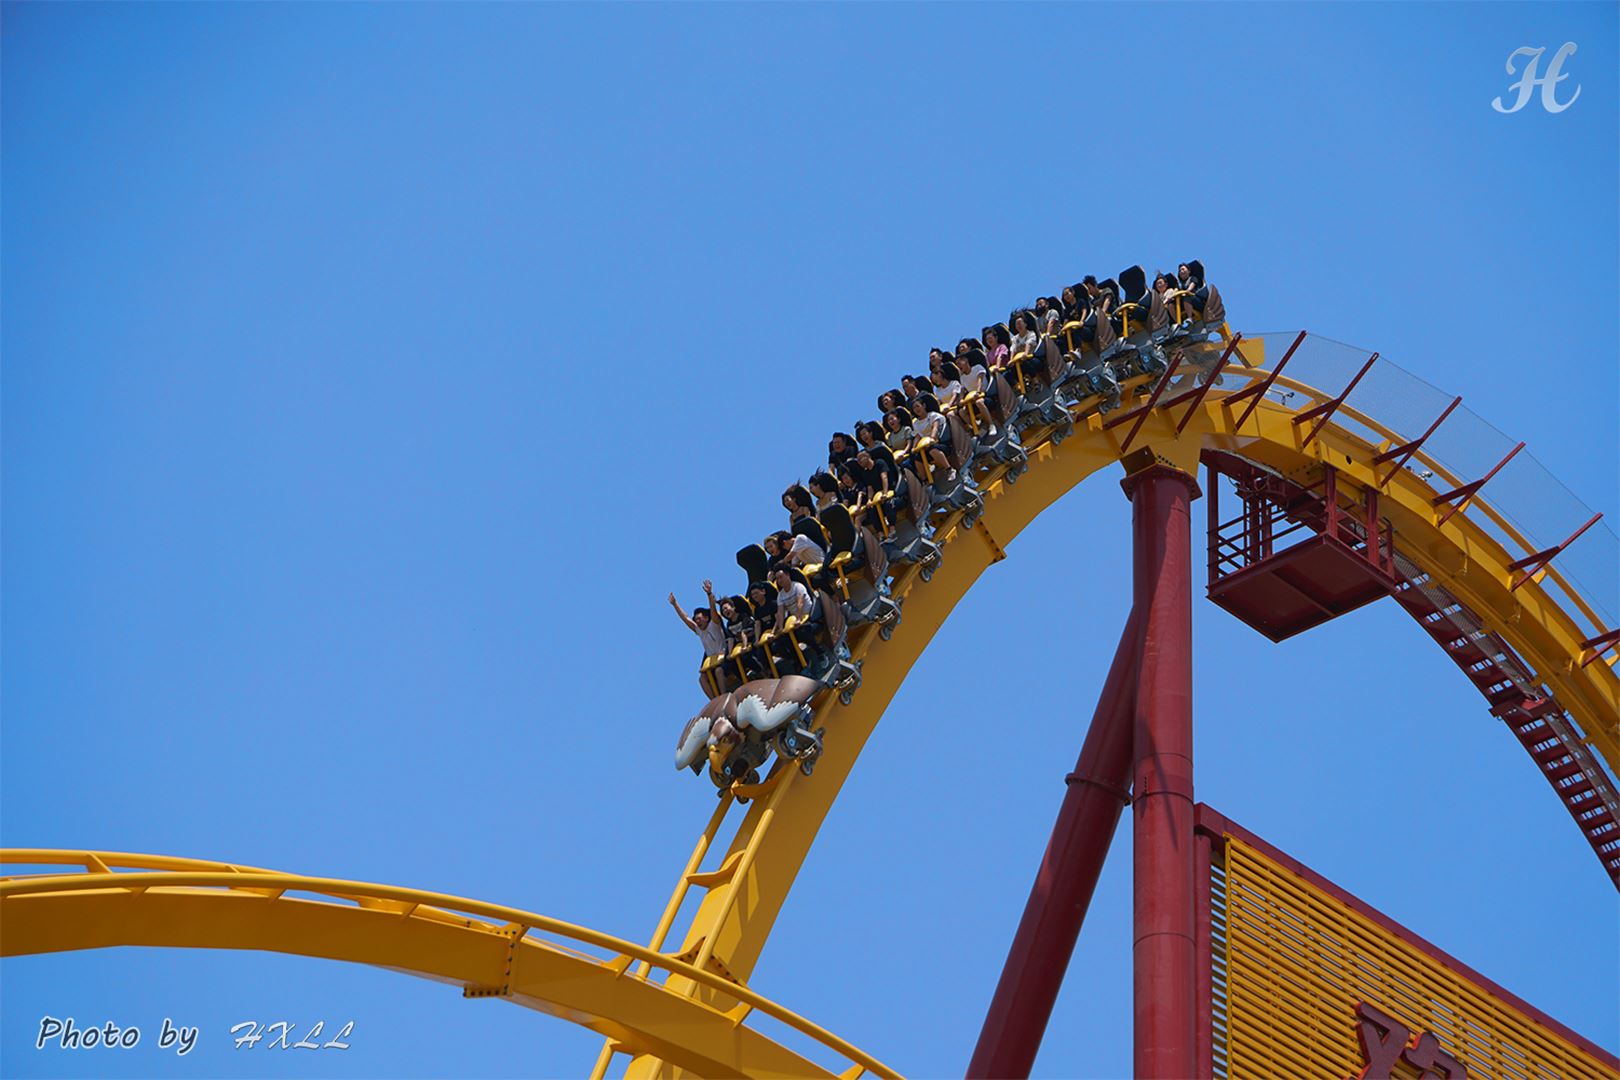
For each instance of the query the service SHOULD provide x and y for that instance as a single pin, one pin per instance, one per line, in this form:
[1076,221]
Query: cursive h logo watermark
[1530,79]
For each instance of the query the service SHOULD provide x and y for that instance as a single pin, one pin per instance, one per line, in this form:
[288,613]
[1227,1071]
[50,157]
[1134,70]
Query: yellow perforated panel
[1292,963]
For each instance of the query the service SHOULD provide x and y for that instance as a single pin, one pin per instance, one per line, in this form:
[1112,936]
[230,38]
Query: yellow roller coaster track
[693,1020]
[127,899]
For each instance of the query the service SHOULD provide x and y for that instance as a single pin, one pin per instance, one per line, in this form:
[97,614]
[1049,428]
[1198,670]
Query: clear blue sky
[372,372]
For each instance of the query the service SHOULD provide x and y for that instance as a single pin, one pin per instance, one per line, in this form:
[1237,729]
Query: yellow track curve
[737,913]
[693,1020]
[484,948]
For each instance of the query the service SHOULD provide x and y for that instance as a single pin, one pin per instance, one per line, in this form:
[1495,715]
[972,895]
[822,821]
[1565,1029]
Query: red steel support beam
[1165,954]
[1258,390]
[1599,645]
[1531,564]
[1460,497]
[1098,789]
[1197,395]
[1152,403]
[1403,453]
[1326,410]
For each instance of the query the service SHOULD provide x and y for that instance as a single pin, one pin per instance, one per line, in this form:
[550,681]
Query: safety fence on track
[1520,489]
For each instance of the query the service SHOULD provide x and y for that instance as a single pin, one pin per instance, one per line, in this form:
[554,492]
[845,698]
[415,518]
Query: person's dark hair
[1089,281]
[701,611]
[930,403]
[975,358]
[824,481]
[971,343]
[799,496]
[784,538]
[1197,270]
[912,379]
[950,371]
[896,415]
[1031,324]
[1074,294]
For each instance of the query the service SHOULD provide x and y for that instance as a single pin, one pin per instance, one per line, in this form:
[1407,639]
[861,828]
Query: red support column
[1165,950]
[1098,790]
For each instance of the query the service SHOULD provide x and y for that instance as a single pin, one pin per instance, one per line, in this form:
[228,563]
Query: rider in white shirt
[792,598]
